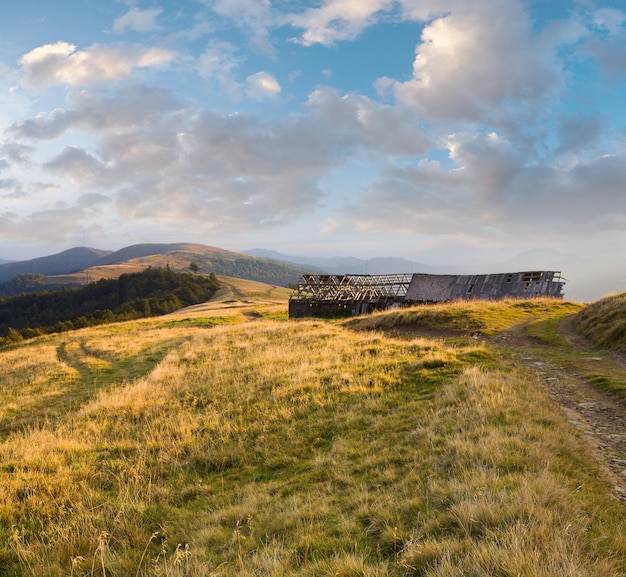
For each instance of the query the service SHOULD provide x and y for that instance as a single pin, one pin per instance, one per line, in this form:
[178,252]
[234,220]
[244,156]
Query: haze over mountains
[586,281]
[80,265]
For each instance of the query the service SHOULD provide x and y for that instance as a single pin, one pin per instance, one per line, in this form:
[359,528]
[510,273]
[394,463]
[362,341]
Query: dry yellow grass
[183,447]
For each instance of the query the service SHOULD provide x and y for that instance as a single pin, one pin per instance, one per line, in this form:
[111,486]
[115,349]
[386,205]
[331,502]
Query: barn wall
[431,288]
[440,288]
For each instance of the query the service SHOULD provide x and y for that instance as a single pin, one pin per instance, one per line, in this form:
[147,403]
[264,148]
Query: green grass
[465,317]
[604,322]
[292,449]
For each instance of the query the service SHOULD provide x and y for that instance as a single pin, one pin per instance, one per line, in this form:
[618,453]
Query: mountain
[78,266]
[66,262]
[205,259]
[4,261]
[587,279]
[349,265]
[137,251]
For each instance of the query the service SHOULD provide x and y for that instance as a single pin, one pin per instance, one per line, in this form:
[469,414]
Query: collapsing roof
[358,294]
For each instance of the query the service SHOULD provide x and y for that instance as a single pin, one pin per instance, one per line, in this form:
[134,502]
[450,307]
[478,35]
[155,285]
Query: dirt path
[600,415]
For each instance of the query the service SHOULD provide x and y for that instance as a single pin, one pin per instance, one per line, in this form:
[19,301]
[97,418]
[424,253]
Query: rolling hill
[80,266]
[224,439]
[69,261]
[351,265]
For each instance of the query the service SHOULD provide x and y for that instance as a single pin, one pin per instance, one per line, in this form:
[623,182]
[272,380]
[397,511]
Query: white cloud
[610,19]
[137,20]
[218,63]
[253,13]
[384,128]
[579,132]
[255,17]
[337,20]
[80,167]
[101,112]
[495,186]
[610,53]
[61,63]
[51,226]
[481,55]
[210,171]
[262,86]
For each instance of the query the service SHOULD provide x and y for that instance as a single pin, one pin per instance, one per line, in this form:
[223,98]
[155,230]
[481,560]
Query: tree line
[152,292]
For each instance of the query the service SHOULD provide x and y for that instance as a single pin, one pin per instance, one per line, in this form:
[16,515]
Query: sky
[449,132]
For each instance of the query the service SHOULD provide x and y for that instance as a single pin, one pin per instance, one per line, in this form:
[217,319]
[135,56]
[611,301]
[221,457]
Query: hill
[224,439]
[350,265]
[67,269]
[604,322]
[148,293]
[69,261]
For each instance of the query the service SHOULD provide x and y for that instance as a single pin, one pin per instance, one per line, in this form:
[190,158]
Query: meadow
[228,440]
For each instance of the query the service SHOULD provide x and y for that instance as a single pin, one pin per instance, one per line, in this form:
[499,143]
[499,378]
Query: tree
[193,267]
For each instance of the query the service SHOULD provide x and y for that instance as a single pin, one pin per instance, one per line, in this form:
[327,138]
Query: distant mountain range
[78,266]
[351,265]
[586,281]
[69,261]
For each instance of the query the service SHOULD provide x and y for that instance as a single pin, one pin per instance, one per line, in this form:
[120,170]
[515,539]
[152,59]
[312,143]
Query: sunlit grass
[265,447]
[476,317]
[605,321]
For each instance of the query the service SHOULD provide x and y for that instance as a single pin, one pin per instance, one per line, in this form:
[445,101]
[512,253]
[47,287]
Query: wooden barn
[320,295]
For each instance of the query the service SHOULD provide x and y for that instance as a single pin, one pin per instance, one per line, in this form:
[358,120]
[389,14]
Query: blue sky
[449,132]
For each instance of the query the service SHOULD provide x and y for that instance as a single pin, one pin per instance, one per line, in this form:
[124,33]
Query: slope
[177,256]
[208,445]
[69,261]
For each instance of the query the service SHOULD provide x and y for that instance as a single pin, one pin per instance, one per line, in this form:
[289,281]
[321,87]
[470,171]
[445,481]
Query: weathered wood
[357,294]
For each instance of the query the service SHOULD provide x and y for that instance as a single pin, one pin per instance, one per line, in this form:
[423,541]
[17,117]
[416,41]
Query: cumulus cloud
[61,63]
[100,112]
[494,187]
[218,64]
[468,143]
[234,171]
[219,172]
[256,14]
[611,54]
[337,20]
[80,167]
[480,56]
[610,19]
[137,20]
[15,153]
[52,226]
[44,125]
[262,86]
[255,17]
[380,127]
[92,199]
[579,132]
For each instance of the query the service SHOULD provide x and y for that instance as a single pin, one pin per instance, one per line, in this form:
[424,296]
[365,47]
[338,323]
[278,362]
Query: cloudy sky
[443,131]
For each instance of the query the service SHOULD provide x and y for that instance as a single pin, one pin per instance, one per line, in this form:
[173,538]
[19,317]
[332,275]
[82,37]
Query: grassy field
[605,322]
[227,440]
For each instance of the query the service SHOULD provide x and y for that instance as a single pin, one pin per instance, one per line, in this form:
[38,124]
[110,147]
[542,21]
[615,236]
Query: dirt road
[569,373]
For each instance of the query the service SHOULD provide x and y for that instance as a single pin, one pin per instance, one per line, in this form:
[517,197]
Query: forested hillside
[149,293]
[32,283]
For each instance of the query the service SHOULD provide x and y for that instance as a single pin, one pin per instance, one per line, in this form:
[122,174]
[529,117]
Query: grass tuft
[604,322]
[273,448]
